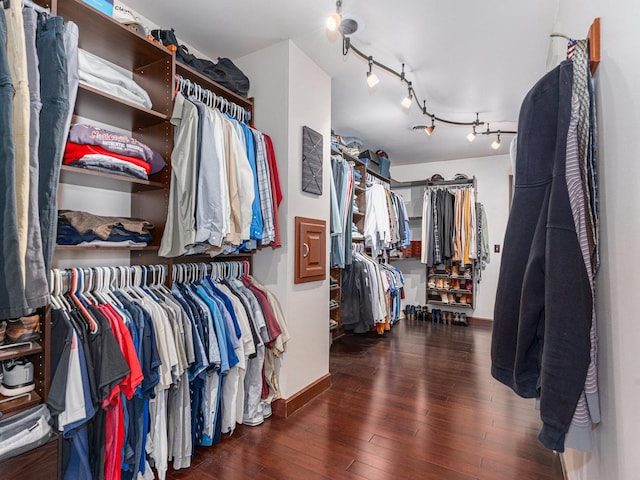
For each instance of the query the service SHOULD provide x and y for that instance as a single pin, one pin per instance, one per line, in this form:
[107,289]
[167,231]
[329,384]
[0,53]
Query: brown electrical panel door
[310,250]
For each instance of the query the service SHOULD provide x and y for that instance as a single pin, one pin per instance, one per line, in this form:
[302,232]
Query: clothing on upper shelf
[371,295]
[144,373]
[449,225]
[102,75]
[225,190]
[32,48]
[544,342]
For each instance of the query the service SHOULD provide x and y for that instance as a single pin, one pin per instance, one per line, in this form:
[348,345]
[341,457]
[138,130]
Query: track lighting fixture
[334,23]
[408,100]
[372,78]
[334,20]
[496,144]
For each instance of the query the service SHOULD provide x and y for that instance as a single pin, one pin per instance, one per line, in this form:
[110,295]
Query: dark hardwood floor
[417,403]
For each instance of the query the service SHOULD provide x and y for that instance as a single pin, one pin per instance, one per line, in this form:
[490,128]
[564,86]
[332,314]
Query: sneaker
[444,298]
[455,270]
[17,377]
[266,409]
[463,320]
[24,329]
[332,324]
[3,331]
[253,421]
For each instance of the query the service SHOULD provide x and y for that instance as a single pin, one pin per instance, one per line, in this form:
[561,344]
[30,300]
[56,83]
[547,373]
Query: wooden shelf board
[106,108]
[436,302]
[149,248]
[109,39]
[19,404]
[20,351]
[106,181]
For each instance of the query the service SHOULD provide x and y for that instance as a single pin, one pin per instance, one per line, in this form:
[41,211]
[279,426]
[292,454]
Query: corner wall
[290,92]
[617,438]
[492,175]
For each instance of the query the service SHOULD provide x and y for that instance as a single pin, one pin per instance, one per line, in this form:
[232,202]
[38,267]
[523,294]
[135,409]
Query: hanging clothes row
[449,225]
[225,190]
[386,221]
[141,374]
[342,199]
[371,294]
[36,115]
[203,95]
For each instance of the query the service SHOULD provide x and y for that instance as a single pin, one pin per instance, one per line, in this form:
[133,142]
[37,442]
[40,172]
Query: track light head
[333,22]
[429,130]
[408,100]
[372,78]
[335,19]
[472,136]
[496,144]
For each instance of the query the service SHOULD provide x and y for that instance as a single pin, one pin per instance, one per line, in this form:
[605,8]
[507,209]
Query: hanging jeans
[54,91]
[12,303]
[36,287]
[17,58]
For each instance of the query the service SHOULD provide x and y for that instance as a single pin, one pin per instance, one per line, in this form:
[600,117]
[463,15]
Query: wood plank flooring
[417,403]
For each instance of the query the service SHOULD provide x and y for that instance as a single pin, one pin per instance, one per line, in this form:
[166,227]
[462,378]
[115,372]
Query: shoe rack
[37,352]
[451,285]
[335,294]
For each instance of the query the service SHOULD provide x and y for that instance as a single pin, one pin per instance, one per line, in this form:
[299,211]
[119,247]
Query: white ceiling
[462,56]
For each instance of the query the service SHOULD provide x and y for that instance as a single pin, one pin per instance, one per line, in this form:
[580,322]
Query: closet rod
[211,99]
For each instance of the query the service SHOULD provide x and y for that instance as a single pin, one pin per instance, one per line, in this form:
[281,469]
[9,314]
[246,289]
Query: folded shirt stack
[104,76]
[104,151]
[82,228]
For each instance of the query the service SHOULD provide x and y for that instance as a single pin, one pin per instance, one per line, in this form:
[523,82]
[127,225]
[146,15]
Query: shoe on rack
[440,283]
[431,283]
[23,329]
[452,298]
[17,377]
[444,297]
[463,320]
[420,313]
[3,332]
[332,281]
[446,284]
[468,285]
[455,271]
[456,318]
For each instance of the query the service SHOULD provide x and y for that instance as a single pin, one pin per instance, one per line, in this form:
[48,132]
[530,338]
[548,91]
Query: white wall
[291,92]
[492,174]
[617,439]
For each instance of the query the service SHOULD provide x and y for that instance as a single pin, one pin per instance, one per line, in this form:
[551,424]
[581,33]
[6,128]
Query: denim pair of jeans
[36,277]
[12,299]
[54,92]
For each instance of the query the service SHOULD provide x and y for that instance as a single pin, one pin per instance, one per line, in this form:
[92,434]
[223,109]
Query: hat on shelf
[127,17]
[461,176]
[436,177]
